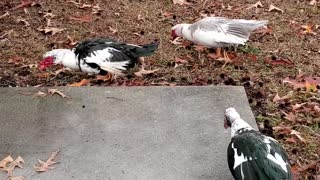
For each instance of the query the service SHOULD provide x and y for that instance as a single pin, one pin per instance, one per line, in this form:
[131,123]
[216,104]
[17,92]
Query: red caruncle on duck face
[46,62]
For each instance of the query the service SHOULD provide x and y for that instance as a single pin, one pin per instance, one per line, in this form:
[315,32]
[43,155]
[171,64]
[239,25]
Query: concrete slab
[121,132]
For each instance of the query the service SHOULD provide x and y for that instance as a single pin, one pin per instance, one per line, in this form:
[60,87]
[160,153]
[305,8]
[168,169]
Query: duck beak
[225,123]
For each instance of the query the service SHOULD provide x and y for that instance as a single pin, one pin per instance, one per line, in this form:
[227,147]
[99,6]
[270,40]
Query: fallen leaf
[291,140]
[84,19]
[252,57]
[23,4]
[26,23]
[316,108]
[291,117]
[46,166]
[311,86]
[4,15]
[167,14]
[51,30]
[16,178]
[313,2]
[265,30]
[56,91]
[180,61]
[5,161]
[39,94]
[298,135]
[296,84]
[113,30]
[181,2]
[278,98]
[308,29]
[279,61]
[83,82]
[282,129]
[256,5]
[72,42]
[274,8]
[297,106]
[10,168]
[144,72]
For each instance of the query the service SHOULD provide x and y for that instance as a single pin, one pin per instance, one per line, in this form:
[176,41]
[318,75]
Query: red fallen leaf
[85,18]
[180,61]
[291,117]
[280,61]
[15,59]
[167,14]
[310,83]
[23,4]
[291,140]
[297,106]
[278,98]
[294,169]
[265,31]
[252,57]
[311,166]
[282,129]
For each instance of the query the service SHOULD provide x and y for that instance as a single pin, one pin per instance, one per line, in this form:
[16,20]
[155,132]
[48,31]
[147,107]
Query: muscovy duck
[99,56]
[217,32]
[252,155]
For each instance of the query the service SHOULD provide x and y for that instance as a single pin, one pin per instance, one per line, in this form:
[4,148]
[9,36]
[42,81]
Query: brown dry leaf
[23,4]
[256,5]
[46,166]
[56,91]
[83,82]
[308,29]
[291,117]
[9,169]
[181,2]
[291,140]
[284,61]
[4,15]
[313,2]
[180,61]
[84,19]
[51,30]
[3,162]
[278,98]
[144,72]
[274,8]
[26,23]
[264,31]
[296,84]
[298,135]
[40,94]
[16,178]
[297,106]
[316,108]
[312,166]
[113,30]
[167,14]
[282,129]
[311,86]
[71,40]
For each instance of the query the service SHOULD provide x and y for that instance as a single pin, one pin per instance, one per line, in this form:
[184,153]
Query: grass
[261,81]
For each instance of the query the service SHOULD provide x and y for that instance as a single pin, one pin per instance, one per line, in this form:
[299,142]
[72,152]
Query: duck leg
[225,58]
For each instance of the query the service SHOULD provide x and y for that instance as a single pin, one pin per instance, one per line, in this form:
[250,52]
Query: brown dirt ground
[22,46]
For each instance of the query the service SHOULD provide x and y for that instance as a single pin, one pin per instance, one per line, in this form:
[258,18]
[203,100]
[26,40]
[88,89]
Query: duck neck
[237,125]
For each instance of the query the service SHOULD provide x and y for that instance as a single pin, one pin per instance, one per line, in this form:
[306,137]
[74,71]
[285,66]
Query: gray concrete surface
[129,133]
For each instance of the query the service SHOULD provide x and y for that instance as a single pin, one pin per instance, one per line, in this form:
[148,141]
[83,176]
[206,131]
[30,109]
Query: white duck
[217,32]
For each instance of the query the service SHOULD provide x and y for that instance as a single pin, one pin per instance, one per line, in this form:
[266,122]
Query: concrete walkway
[116,133]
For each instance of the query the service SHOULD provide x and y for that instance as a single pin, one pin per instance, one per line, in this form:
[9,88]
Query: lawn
[279,66]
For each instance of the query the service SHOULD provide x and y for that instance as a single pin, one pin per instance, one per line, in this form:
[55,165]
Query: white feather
[102,58]
[238,159]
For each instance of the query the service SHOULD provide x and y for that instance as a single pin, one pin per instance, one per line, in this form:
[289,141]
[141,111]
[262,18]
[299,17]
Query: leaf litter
[47,165]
